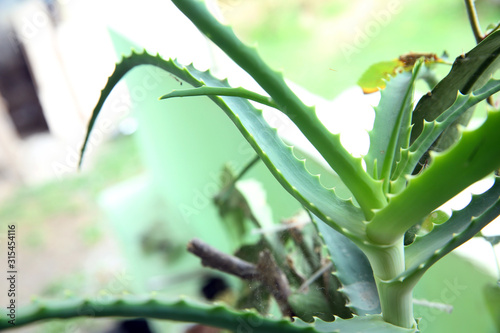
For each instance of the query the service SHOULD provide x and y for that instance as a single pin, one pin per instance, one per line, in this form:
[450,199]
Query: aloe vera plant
[367,232]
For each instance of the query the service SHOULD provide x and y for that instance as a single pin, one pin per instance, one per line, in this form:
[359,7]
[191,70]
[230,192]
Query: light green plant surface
[382,239]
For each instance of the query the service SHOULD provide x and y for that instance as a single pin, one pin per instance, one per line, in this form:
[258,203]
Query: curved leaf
[278,157]
[189,311]
[469,71]
[391,128]
[207,91]
[155,308]
[460,227]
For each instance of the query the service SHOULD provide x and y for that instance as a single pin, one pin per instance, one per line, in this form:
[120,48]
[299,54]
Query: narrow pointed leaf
[391,127]
[189,311]
[208,91]
[461,226]
[278,157]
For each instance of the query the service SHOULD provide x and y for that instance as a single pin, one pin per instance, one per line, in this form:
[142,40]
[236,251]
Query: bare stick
[476,30]
[266,271]
[213,258]
[275,280]
[474,20]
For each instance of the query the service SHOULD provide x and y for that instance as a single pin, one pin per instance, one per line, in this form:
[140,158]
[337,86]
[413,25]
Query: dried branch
[266,271]
[213,258]
[275,280]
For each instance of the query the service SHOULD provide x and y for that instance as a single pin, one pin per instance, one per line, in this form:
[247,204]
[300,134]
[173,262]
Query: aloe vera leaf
[391,128]
[278,157]
[469,71]
[472,158]
[432,130]
[352,269]
[475,226]
[189,311]
[363,324]
[155,308]
[207,91]
[461,226]
[368,192]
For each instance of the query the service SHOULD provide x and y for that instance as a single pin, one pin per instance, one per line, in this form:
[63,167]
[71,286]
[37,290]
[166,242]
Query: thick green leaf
[475,226]
[461,226]
[392,124]
[469,71]
[352,269]
[472,158]
[278,157]
[155,308]
[189,311]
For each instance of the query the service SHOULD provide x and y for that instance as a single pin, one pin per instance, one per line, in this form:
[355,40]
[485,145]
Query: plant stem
[396,300]
[395,296]
[474,20]
[476,30]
